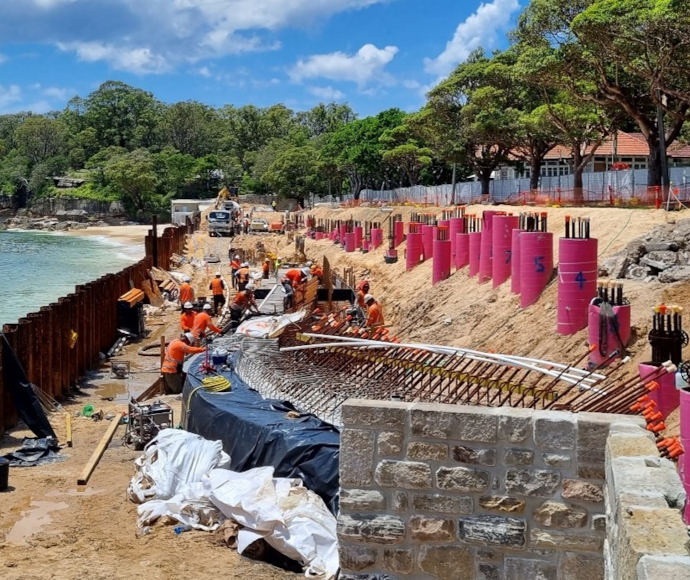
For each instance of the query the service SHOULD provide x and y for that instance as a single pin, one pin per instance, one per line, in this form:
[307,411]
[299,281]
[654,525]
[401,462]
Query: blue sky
[372,54]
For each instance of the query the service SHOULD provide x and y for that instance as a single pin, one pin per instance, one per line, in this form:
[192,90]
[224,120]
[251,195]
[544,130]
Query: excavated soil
[49,529]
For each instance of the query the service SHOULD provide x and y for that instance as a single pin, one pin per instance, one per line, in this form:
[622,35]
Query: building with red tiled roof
[621,151]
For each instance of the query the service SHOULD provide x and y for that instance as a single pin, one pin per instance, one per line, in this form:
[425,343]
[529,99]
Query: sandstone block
[471,456]
[356,558]
[635,477]
[515,425]
[494,530]
[356,457]
[390,443]
[446,561]
[371,529]
[404,474]
[532,482]
[554,514]
[582,491]
[502,503]
[556,459]
[361,500]
[554,430]
[666,567]
[400,501]
[518,457]
[575,566]
[599,523]
[467,424]
[442,504]
[591,471]
[428,451]
[565,541]
[629,445]
[461,479]
[592,431]
[427,529]
[384,415]
[398,560]
[524,568]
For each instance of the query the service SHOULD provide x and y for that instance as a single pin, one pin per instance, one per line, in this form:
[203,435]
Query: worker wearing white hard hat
[374,311]
[187,317]
[173,375]
[217,288]
[242,276]
[186,291]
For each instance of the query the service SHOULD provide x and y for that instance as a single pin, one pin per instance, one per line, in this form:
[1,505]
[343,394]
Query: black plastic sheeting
[35,451]
[23,396]
[256,432]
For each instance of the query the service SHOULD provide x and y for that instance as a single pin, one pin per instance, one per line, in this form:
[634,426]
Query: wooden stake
[162,350]
[100,449]
[68,429]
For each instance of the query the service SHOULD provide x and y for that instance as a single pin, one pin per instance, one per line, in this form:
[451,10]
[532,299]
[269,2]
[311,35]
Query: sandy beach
[129,234]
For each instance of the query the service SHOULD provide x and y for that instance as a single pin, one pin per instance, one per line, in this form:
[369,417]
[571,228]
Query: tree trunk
[535,171]
[578,168]
[485,178]
[654,163]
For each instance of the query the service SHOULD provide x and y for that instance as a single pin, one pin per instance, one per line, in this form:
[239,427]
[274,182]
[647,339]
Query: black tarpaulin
[23,396]
[257,432]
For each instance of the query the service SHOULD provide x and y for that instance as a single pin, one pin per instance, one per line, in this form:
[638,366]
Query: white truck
[220,223]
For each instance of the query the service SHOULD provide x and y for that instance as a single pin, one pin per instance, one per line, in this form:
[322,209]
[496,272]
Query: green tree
[192,128]
[173,170]
[478,105]
[121,115]
[295,173]
[132,176]
[579,46]
[323,119]
[39,138]
[404,152]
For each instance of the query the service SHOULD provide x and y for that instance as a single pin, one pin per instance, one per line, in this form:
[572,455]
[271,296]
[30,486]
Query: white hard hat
[187,279]
[245,264]
[237,257]
[189,336]
[207,306]
[368,298]
[309,263]
[218,273]
[188,305]
[249,286]
[305,271]
[280,257]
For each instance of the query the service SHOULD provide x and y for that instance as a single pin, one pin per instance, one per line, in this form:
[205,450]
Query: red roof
[628,145]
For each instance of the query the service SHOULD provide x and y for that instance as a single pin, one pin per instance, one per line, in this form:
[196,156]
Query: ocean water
[37,268]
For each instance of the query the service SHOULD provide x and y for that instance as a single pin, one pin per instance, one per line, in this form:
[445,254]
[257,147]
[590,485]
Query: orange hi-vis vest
[201,323]
[242,300]
[295,276]
[186,293]
[375,315]
[187,320]
[217,286]
[235,264]
[174,355]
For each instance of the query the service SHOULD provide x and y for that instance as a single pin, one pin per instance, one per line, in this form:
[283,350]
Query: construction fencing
[617,188]
[60,342]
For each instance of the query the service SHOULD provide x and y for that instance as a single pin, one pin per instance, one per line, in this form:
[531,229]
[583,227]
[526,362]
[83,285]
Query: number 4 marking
[580,279]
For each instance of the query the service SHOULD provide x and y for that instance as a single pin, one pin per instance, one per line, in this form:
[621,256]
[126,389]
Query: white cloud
[153,36]
[204,71]
[327,93]
[9,95]
[365,65]
[3,58]
[58,93]
[139,60]
[479,29]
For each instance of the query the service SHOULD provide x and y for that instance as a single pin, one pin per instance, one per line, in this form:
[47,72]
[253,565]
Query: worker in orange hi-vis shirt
[173,376]
[186,291]
[187,317]
[374,312]
[203,322]
[217,288]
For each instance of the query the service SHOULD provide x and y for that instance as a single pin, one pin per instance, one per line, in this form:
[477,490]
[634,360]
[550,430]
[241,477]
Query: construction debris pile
[661,254]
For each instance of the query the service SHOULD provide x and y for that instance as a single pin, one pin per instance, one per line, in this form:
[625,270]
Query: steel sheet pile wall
[57,344]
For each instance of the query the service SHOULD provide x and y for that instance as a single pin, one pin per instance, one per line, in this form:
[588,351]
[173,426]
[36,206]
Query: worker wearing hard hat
[173,376]
[316,272]
[276,266]
[243,301]
[266,268]
[374,311]
[234,266]
[242,275]
[187,317]
[186,291]
[202,322]
[217,288]
[362,291]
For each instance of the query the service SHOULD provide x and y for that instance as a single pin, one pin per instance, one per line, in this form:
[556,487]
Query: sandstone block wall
[446,491]
[646,536]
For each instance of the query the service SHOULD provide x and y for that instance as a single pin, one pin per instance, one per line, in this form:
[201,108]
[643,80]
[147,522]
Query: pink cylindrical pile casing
[486,252]
[398,233]
[474,249]
[376,238]
[350,242]
[462,250]
[502,226]
[442,259]
[515,262]
[536,265]
[359,236]
[414,250]
[428,237]
[594,330]
[666,397]
[457,226]
[577,282]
